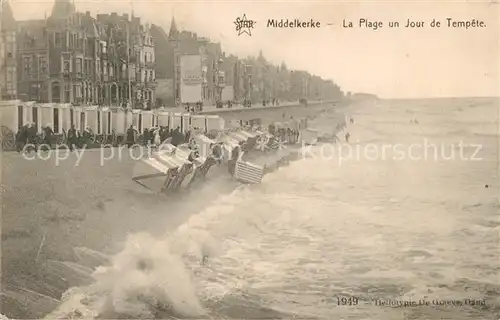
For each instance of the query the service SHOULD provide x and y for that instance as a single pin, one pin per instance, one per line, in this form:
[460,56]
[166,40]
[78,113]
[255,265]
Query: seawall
[269,114]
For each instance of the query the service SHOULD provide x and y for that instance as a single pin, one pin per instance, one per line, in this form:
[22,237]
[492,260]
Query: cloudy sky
[390,62]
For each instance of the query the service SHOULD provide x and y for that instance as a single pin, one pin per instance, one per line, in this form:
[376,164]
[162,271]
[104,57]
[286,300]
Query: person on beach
[72,138]
[130,136]
[347,135]
[157,137]
[48,134]
[21,137]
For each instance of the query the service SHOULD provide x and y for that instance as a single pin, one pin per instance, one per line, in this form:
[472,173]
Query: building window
[105,68]
[57,39]
[67,93]
[111,68]
[42,65]
[77,91]
[66,66]
[56,92]
[98,67]
[78,65]
[27,66]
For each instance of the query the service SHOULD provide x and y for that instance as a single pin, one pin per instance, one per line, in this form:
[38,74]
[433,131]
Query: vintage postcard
[249,159]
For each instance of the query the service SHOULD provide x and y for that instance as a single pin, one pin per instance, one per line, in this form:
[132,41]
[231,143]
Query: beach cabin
[34,115]
[199,121]
[204,145]
[163,118]
[251,138]
[106,116]
[148,119]
[92,120]
[46,115]
[247,172]
[182,153]
[241,138]
[79,119]
[176,121]
[214,122]
[157,172]
[65,113]
[309,136]
[180,157]
[228,146]
[136,116]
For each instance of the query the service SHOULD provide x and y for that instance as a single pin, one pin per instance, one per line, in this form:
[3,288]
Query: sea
[400,222]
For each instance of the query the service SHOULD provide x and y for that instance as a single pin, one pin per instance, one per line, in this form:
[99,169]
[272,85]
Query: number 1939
[351,301]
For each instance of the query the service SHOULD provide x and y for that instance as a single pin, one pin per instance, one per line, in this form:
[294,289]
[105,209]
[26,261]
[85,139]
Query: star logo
[243,25]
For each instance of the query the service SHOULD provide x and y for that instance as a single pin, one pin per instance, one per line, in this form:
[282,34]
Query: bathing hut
[309,136]
[247,172]
[65,115]
[176,121]
[199,121]
[180,157]
[156,172]
[163,118]
[148,120]
[106,116]
[229,144]
[251,138]
[91,115]
[46,115]
[204,144]
[241,138]
[214,122]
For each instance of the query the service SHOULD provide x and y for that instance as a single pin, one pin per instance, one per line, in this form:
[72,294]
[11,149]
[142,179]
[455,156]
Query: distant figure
[157,138]
[347,135]
[130,136]
[486,186]
[72,138]
[351,120]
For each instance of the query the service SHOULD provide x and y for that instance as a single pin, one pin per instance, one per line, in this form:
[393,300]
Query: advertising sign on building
[191,69]
[191,78]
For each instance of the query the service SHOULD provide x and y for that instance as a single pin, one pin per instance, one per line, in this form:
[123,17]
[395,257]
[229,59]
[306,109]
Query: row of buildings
[114,59]
[227,77]
[73,57]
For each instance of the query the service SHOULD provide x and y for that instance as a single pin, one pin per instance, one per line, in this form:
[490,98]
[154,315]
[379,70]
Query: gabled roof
[62,9]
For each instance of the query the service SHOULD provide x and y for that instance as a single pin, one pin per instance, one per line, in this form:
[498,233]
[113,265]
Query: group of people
[193,108]
[26,134]
[287,135]
[157,135]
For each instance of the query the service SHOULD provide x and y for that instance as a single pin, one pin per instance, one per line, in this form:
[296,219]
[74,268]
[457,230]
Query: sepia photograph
[236,159]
